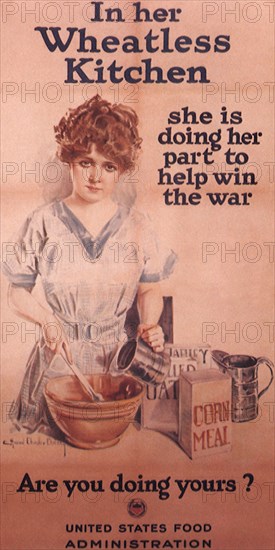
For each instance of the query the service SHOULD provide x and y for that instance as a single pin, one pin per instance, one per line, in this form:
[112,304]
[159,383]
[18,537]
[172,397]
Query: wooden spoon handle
[83,380]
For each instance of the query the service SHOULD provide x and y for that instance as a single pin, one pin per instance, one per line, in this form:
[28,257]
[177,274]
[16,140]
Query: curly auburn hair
[112,128]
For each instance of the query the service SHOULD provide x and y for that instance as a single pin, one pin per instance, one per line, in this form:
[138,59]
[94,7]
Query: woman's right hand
[55,338]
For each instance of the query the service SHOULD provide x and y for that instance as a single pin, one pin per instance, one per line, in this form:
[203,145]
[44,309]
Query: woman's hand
[152,335]
[55,337]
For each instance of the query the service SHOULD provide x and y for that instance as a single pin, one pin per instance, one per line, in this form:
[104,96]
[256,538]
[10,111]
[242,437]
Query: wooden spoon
[95,396]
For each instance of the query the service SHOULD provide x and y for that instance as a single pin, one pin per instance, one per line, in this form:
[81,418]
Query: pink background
[221,293]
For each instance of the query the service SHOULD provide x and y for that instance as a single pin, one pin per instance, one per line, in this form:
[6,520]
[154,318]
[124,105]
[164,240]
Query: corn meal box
[160,405]
[204,412]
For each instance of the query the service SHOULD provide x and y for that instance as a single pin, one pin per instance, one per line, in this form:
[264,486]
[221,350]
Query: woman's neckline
[96,234]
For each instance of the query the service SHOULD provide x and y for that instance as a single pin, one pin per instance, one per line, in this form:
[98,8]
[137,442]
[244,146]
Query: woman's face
[94,176]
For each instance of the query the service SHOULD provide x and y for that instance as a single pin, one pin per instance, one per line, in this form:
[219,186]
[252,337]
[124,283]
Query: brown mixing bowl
[88,424]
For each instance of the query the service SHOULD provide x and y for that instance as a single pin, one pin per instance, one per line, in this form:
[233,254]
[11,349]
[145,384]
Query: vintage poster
[137,254]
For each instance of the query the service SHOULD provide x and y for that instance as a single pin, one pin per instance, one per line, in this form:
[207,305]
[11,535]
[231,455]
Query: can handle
[269,364]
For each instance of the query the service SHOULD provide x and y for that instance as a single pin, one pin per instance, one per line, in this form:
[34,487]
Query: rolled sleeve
[20,261]
[159,262]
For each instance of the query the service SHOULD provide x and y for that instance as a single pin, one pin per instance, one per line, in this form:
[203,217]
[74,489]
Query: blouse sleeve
[159,261]
[20,262]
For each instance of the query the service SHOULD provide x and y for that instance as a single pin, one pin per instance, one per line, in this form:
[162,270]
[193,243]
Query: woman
[93,257]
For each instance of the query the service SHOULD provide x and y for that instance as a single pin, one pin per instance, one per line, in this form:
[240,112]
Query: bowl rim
[92,404]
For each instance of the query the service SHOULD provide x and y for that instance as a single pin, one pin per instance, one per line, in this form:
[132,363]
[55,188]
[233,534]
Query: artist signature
[31,441]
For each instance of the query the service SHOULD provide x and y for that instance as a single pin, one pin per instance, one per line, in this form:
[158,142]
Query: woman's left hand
[152,335]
